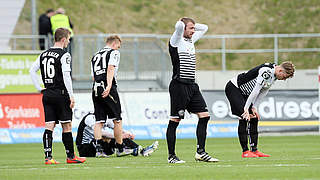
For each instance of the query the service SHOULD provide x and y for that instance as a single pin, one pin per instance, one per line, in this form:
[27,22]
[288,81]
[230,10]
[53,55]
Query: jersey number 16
[48,67]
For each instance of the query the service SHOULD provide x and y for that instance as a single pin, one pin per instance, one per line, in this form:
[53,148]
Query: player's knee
[50,126]
[117,121]
[66,127]
[203,114]
[175,120]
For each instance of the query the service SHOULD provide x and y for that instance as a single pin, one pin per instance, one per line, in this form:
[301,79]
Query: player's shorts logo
[181,113]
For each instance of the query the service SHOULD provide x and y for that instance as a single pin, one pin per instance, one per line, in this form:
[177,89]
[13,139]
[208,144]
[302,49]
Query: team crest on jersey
[68,59]
[266,74]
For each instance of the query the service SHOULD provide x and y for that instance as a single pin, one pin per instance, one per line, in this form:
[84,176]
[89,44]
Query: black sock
[128,143]
[99,147]
[68,144]
[120,147]
[202,134]
[243,134]
[47,143]
[171,136]
[253,134]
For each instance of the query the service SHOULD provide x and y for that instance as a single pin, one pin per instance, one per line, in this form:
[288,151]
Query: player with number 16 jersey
[57,98]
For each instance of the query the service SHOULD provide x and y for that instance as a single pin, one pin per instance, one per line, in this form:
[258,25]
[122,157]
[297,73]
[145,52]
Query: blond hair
[288,67]
[112,38]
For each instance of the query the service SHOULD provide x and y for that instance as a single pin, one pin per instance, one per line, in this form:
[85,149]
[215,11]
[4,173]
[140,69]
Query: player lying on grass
[243,93]
[86,143]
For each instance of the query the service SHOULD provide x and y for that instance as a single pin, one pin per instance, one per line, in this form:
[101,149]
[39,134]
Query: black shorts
[236,99]
[108,107]
[185,96]
[56,106]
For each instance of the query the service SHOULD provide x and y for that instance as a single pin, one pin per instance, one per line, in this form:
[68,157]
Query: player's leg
[253,133]
[101,116]
[171,136]
[198,105]
[131,146]
[87,150]
[67,141]
[237,102]
[254,136]
[114,113]
[178,101]
[98,140]
[50,122]
[64,113]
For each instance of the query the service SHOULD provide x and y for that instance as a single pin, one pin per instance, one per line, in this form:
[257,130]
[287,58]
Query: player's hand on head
[72,102]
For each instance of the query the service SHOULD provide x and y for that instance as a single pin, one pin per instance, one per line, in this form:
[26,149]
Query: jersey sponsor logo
[48,81]
[266,75]
[98,72]
[68,59]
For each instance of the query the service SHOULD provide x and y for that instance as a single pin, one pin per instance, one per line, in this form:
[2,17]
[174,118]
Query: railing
[145,56]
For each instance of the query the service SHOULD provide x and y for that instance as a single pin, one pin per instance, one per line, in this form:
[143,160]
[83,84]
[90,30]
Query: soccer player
[86,142]
[104,65]
[184,91]
[243,93]
[57,99]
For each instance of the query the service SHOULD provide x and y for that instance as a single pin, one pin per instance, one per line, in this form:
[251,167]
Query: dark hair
[185,20]
[113,38]
[61,33]
[49,11]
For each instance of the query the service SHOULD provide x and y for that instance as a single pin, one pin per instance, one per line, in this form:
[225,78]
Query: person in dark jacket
[45,26]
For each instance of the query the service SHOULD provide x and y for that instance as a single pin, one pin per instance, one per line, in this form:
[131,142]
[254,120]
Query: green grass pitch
[293,157]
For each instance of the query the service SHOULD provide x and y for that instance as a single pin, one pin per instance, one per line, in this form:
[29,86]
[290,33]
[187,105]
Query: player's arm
[200,30]
[114,60]
[66,69]
[33,73]
[91,70]
[264,74]
[178,33]
[110,74]
[263,93]
[255,92]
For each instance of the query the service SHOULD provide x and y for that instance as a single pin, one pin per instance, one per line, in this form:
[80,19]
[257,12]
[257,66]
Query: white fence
[145,56]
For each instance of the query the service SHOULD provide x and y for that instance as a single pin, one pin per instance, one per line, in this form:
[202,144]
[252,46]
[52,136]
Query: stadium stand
[9,14]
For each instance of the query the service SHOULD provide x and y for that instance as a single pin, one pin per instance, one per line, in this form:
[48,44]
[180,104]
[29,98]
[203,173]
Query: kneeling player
[243,93]
[86,143]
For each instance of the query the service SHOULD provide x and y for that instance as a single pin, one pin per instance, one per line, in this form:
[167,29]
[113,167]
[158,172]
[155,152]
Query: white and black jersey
[255,83]
[52,63]
[182,52]
[85,132]
[262,74]
[100,61]
[55,67]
